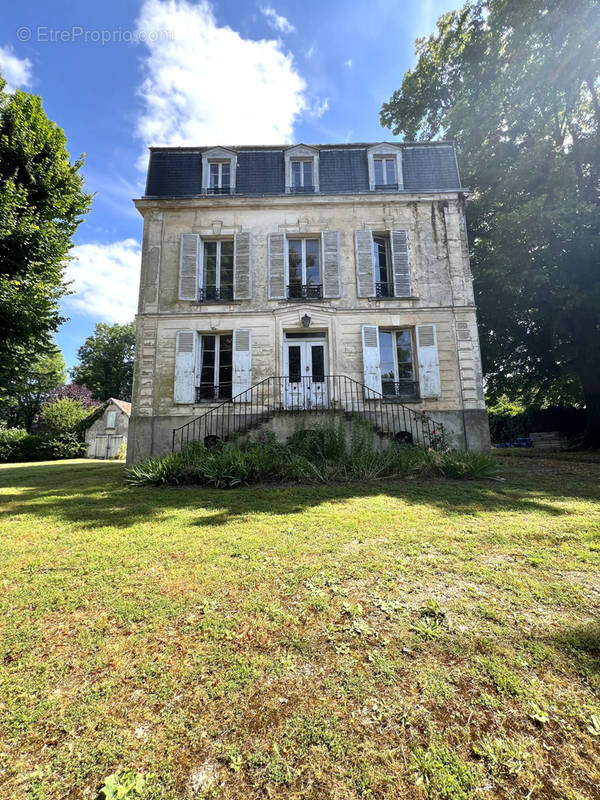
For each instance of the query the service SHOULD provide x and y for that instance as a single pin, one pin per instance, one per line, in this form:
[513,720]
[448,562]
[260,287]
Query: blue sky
[194,73]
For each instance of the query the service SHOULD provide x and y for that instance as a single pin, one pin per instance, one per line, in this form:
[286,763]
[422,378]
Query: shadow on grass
[92,493]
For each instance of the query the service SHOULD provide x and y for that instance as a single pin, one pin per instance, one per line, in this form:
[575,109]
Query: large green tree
[516,85]
[106,361]
[41,205]
[25,395]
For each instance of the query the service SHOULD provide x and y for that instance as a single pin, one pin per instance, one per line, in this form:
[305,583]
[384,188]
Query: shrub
[18,445]
[122,452]
[68,445]
[10,439]
[63,416]
[316,455]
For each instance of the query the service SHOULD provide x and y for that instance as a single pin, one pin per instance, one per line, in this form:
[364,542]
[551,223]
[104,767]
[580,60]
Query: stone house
[108,429]
[305,278]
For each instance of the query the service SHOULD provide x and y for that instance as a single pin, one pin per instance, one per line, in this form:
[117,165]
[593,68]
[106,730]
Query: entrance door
[304,382]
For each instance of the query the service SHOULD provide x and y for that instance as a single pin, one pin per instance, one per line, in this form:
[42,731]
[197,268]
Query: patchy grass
[435,639]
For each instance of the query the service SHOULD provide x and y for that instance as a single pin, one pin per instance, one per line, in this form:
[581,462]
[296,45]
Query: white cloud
[105,280]
[206,84]
[348,63]
[15,71]
[276,21]
[310,52]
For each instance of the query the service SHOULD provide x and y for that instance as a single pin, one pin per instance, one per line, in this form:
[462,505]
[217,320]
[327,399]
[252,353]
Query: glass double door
[304,384]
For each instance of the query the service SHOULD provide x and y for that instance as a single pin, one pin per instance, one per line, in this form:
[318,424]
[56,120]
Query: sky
[119,76]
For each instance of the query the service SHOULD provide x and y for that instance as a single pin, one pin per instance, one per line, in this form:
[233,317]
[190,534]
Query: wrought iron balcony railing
[214,295]
[208,392]
[384,289]
[404,388]
[305,291]
[301,189]
[219,190]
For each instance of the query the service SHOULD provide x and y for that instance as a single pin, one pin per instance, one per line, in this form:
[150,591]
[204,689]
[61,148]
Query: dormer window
[302,176]
[385,173]
[301,169]
[220,177]
[385,167]
[218,171]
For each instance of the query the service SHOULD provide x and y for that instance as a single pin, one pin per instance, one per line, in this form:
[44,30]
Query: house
[107,429]
[282,279]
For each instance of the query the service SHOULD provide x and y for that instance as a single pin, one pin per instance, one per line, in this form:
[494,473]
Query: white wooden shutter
[189,266]
[371,361]
[400,263]
[111,419]
[429,364]
[365,266]
[330,249]
[185,367]
[242,364]
[242,267]
[276,266]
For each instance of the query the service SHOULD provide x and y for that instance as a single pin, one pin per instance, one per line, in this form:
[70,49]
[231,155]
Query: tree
[517,86]
[41,205]
[24,397]
[75,392]
[106,361]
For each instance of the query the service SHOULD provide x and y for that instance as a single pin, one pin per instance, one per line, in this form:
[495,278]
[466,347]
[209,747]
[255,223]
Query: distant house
[108,430]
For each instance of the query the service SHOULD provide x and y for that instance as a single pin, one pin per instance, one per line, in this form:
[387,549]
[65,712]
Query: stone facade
[441,295]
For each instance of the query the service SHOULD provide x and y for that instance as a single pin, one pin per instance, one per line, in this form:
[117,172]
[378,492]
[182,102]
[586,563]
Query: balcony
[305,291]
[394,390]
[209,393]
[219,190]
[301,189]
[384,289]
[214,295]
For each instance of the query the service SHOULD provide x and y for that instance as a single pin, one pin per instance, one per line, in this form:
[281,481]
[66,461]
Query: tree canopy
[106,361]
[24,396]
[516,85]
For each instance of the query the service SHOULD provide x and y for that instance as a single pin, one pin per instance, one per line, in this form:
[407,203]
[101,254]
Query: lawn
[403,639]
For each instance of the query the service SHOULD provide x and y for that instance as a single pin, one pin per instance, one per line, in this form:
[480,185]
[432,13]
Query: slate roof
[343,168]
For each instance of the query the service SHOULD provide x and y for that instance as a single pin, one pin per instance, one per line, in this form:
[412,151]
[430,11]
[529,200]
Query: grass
[399,638]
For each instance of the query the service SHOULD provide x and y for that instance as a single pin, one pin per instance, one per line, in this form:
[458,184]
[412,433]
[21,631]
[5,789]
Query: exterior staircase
[306,399]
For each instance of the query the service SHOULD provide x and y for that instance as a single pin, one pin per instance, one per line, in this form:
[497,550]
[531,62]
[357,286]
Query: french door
[304,384]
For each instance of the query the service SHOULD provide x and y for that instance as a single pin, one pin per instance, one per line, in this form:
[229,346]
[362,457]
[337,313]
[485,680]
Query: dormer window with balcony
[385,168]
[218,171]
[301,170]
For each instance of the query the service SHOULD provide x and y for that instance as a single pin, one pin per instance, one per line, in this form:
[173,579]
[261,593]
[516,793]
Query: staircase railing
[306,396]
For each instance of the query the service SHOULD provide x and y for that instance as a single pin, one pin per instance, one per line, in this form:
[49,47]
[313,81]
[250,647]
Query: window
[385,167]
[218,271]
[302,176]
[220,177]
[384,284]
[397,365]
[218,171]
[385,172]
[215,368]
[301,169]
[111,419]
[304,269]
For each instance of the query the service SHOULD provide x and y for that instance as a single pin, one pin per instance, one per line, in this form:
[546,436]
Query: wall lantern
[305,321]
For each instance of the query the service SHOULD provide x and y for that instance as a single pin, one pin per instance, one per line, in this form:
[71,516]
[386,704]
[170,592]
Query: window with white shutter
[371,361]
[242,365]
[185,367]
[277,266]
[190,258]
[242,267]
[365,264]
[429,365]
[331,264]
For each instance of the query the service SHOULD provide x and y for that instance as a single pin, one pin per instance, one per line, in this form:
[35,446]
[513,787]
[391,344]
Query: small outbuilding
[107,431]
